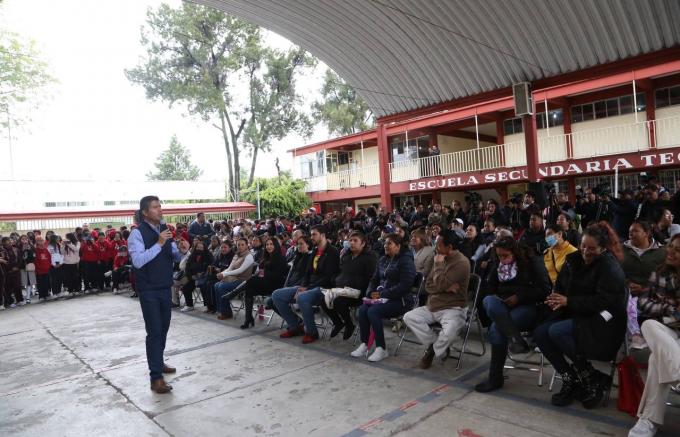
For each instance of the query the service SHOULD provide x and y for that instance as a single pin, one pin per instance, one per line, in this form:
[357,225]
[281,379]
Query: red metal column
[531,143]
[651,116]
[566,119]
[571,188]
[384,166]
[500,138]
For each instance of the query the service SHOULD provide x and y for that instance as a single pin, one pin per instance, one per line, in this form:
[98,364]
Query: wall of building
[365,203]
[449,144]
[370,156]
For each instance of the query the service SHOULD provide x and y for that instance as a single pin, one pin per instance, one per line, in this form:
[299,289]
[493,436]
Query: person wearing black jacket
[517,283]
[623,213]
[195,270]
[357,266]
[322,267]
[219,264]
[534,236]
[271,276]
[390,293]
[588,317]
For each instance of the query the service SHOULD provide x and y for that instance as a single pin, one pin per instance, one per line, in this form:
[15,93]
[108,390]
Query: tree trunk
[252,166]
[235,152]
[230,172]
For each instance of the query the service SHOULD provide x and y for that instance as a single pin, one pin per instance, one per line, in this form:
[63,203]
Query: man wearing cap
[458,227]
[153,253]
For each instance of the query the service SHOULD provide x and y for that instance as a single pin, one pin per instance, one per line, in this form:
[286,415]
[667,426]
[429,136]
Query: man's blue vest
[157,273]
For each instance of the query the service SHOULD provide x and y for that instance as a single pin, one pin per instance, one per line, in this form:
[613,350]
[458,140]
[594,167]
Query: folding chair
[473,291]
[238,291]
[418,285]
[260,299]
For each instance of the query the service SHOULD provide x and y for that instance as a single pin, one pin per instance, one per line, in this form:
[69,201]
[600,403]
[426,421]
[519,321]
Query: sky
[97,125]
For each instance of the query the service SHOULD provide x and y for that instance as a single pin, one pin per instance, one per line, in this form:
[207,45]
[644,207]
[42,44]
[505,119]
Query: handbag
[631,386]
[30,267]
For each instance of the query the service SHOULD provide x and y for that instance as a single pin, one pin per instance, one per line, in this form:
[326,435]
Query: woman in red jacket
[120,271]
[89,255]
[43,262]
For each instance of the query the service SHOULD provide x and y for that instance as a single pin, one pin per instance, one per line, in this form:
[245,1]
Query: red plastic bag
[631,386]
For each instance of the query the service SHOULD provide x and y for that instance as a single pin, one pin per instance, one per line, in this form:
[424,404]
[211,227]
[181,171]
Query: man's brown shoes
[160,386]
[168,369]
[426,360]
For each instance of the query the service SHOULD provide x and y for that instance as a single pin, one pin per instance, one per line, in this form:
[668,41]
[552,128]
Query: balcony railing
[359,177]
[484,158]
[609,140]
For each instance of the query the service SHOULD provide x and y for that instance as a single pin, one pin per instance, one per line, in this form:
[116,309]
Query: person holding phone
[153,253]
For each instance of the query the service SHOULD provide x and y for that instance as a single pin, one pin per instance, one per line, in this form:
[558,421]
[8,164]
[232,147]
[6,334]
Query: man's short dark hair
[199,214]
[321,229]
[145,203]
[451,238]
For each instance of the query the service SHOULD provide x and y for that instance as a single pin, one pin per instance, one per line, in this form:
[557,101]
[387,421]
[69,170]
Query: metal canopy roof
[401,55]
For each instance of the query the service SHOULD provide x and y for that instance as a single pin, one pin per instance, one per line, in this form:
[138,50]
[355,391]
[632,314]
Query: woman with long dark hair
[56,271]
[196,269]
[517,283]
[388,292]
[588,317]
[71,263]
[271,276]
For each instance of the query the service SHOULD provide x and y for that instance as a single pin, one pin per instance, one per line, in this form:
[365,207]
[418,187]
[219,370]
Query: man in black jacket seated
[357,266]
[322,267]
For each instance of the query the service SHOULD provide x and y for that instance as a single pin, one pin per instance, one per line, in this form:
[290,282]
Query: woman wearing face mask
[588,317]
[517,283]
[557,251]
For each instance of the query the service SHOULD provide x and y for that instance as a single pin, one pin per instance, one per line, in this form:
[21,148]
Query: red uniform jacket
[120,261]
[89,252]
[43,261]
[105,254]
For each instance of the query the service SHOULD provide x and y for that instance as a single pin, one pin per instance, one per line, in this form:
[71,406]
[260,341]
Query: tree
[279,196]
[174,164]
[341,109]
[216,65]
[23,78]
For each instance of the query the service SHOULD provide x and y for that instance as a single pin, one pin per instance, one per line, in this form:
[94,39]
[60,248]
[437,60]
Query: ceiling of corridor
[406,54]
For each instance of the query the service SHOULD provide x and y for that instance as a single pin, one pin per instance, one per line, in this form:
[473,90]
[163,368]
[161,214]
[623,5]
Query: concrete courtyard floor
[77,367]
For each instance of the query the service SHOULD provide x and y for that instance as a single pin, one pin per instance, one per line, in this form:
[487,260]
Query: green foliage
[204,59]
[174,164]
[279,196]
[23,78]
[341,109]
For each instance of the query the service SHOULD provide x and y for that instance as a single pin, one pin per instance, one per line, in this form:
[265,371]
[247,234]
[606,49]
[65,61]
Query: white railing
[464,161]
[611,140]
[359,177]
[667,132]
[552,148]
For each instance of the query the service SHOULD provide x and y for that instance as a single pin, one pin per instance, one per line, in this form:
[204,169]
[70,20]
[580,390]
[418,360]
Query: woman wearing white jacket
[71,252]
[56,271]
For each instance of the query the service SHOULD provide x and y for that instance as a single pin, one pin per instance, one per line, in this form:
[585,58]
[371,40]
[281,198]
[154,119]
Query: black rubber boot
[506,326]
[495,381]
[572,389]
[595,385]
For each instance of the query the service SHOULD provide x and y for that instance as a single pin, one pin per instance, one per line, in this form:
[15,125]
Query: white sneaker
[638,342]
[2,307]
[13,305]
[360,351]
[378,354]
[186,309]
[28,300]
[22,303]
[643,428]
[108,274]
[115,291]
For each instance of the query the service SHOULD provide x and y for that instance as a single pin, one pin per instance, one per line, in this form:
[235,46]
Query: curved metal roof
[406,54]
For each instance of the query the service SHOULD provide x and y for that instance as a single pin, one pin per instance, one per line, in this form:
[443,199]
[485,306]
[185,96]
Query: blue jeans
[156,306]
[223,306]
[307,300]
[282,299]
[371,316]
[522,316]
[556,339]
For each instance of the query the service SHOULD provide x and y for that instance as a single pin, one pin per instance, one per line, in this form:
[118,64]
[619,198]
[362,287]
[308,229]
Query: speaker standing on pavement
[153,252]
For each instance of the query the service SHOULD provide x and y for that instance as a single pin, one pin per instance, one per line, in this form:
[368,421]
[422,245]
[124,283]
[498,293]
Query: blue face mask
[345,244]
[551,240]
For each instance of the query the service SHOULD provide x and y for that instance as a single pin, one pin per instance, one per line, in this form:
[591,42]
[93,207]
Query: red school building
[622,117]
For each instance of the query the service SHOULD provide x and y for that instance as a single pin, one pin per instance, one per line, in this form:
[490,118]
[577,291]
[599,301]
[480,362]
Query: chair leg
[461,354]
[612,372]
[401,339]
[540,371]
[552,380]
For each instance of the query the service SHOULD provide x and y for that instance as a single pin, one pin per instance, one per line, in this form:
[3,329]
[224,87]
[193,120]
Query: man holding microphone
[153,252]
